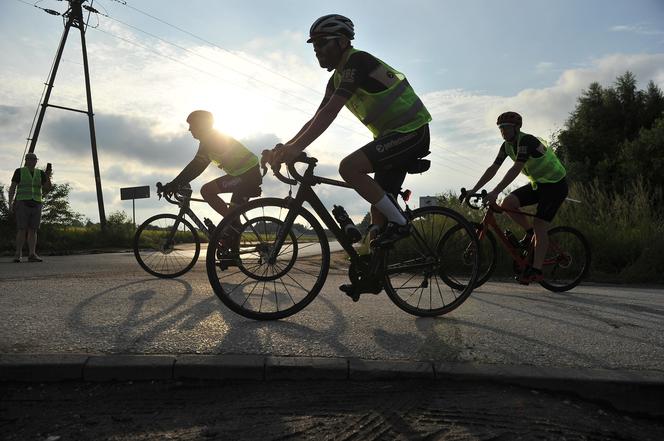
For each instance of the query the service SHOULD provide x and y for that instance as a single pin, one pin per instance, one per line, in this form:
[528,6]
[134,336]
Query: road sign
[428,201]
[142,192]
[133,193]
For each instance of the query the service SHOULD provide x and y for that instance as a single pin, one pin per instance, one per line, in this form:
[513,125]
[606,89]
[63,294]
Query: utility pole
[73,19]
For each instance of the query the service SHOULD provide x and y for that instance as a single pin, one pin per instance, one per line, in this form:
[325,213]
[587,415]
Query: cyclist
[243,178]
[547,188]
[384,101]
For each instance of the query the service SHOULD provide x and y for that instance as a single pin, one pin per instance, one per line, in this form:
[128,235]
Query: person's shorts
[28,215]
[243,186]
[390,156]
[548,197]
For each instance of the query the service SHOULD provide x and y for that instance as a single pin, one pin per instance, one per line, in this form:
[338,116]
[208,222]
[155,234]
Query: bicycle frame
[489,221]
[185,209]
[304,194]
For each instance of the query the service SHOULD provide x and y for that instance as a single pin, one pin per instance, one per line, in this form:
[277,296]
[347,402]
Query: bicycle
[161,248]
[567,258]
[283,256]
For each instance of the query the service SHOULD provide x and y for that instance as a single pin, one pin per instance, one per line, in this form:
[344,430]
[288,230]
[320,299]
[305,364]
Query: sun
[236,112]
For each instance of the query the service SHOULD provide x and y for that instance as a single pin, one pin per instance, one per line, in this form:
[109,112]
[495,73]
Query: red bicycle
[567,258]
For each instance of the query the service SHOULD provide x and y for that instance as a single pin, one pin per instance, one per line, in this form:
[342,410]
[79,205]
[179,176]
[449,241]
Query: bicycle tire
[488,256]
[429,254]
[269,297]
[567,259]
[161,259]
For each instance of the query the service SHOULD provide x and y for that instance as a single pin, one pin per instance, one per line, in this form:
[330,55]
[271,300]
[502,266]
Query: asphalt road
[104,303]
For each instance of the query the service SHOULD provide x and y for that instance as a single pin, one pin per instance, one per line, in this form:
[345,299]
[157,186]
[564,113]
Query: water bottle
[346,224]
[512,238]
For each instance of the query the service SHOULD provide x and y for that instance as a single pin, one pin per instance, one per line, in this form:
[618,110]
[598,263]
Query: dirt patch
[403,410]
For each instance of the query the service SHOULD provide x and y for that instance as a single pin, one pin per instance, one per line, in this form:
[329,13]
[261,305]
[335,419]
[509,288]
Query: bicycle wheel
[166,245]
[567,259]
[260,282]
[417,266]
[488,255]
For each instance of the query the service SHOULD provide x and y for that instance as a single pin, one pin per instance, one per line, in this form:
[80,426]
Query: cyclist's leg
[551,198]
[248,185]
[242,186]
[387,156]
[355,169]
[211,190]
[521,197]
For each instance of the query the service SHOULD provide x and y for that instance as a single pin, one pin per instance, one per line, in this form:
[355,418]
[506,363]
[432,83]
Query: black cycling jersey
[361,71]
[529,147]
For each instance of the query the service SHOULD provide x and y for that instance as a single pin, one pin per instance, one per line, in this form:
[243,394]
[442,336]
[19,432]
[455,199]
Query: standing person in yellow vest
[29,184]
[547,188]
[383,100]
[243,178]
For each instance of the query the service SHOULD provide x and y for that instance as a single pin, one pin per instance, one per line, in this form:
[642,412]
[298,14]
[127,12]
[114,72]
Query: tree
[644,157]
[56,208]
[7,226]
[604,123]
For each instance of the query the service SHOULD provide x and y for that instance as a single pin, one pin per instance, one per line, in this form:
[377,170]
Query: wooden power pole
[73,19]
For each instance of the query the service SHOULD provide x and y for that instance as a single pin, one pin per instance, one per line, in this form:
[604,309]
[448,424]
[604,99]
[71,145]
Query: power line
[210,60]
[93,10]
[197,37]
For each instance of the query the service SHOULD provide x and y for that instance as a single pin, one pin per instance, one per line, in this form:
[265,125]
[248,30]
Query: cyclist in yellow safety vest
[387,105]
[547,188]
[243,178]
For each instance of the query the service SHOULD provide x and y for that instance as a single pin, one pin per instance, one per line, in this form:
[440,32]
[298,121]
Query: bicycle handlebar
[474,200]
[180,195]
[291,168]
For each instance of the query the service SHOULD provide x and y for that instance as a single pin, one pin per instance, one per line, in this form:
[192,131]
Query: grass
[625,231]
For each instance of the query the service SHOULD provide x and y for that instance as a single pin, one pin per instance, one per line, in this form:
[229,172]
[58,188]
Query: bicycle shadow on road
[133,318]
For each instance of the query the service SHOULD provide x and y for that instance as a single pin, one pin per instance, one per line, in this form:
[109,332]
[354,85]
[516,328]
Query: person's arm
[16,178]
[192,170]
[486,177]
[511,174]
[47,185]
[329,90]
[11,194]
[320,122]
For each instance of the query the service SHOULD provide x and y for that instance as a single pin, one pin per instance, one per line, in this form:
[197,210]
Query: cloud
[544,67]
[142,101]
[639,29]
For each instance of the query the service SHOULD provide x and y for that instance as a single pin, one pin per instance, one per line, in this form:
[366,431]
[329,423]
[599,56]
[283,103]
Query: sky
[154,61]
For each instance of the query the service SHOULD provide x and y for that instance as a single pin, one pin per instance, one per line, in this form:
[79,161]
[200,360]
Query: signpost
[134,193]
[428,201]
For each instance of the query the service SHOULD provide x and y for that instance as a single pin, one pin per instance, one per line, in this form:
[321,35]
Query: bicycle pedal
[224,264]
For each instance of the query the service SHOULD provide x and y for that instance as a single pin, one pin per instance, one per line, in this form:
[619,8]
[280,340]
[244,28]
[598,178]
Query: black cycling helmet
[332,25]
[511,118]
[203,118]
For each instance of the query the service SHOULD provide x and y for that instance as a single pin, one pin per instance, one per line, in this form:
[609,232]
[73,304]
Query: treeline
[63,230]
[614,136]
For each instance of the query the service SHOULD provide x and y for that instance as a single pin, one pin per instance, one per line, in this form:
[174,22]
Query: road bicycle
[567,258]
[167,245]
[283,254]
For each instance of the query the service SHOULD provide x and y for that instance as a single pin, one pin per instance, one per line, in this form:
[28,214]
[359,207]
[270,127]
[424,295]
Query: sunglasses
[320,42]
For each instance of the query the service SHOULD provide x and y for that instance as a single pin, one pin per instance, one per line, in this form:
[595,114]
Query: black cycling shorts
[390,156]
[243,186]
[548,197]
